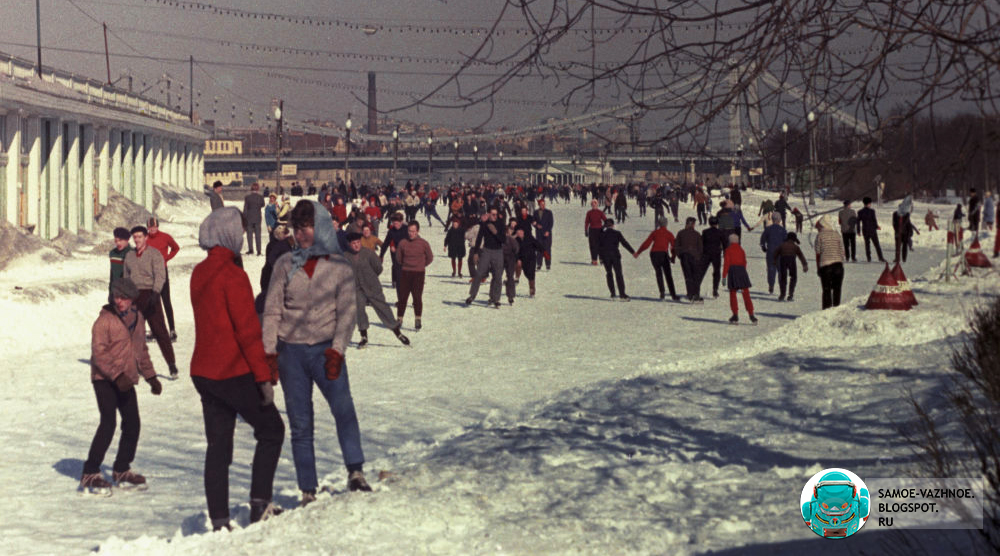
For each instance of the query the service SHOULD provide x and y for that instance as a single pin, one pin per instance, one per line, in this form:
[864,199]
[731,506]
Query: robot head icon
[835,503]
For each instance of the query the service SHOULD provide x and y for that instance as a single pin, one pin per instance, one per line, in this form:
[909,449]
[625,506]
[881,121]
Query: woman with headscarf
[830,259]
[901,227]
[230,370]
[309,316]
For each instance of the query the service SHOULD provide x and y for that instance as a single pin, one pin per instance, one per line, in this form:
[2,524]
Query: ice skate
[129,480]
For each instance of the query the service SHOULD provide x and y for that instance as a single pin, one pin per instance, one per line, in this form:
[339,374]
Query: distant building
[222,147]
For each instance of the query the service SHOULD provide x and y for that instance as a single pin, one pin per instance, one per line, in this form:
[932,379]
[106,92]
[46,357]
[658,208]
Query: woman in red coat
[230,369]
[735,266]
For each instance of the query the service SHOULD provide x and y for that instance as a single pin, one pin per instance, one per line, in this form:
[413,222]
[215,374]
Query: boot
[356,482]
[94,483]
[364,339]
[173,371]
[400,337]
[308,496]
[128,480]
[416,324]
[261,510]
[531,288]
[735,319]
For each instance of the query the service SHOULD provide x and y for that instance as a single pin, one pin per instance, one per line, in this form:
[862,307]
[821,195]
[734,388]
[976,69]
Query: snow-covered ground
[565,424]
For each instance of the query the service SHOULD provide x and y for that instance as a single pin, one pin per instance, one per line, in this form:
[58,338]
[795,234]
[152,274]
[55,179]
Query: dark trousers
[594,238]
[221,401]
[691,269]
[613,274]
[661,269]
[715,261]
[903,245]
[148,304]
[869,239]
[253,233]
[510,286]
[545,253]
[472,261]
[168,307]
[109,401]
[702,215]
[850,246]
[410,281]
[831,278]
[787,274]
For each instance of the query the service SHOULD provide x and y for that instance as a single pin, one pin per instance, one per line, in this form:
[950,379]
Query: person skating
[869,229]
[661,254]
[367,267]
[688,247]
[527,252]
[230,370]
[713,241]
[215,196]
[829,261]
[489,245]
[544,223]
[611,258]
[414,255]
[593,223]
[167,247]
[146,268]
[454,243]
[309,316]
[798,219]
[734,271]
[848,230]
[118,356]
[902,228]
[395,234]
[770,239]
[117,257]
[787,274]
[252,205]
[271,214]
[511,262]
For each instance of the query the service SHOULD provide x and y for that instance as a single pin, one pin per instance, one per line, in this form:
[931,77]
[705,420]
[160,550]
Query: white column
[117,156]
[53,189]
[172,164]
[128,161]
[33,140]
[139,169]
[148,165]
[71,190]
[158,161]
[88,190]
[200,169]
[185,161]
[103,164]
[12,141]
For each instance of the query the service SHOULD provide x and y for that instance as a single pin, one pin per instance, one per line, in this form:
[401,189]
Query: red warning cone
[887,294]
[974,256]
[904,284]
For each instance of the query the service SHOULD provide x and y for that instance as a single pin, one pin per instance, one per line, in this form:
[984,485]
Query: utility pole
[395,152]
[107,58]
[38,34]
[278,117]
[430,155]
[191,90]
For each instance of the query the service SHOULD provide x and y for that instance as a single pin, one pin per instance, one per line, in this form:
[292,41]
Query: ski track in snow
[563,424]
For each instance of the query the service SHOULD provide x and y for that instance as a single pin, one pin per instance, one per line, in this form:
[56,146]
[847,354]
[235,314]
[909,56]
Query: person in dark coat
[252,205]
[528,248]
[903,229]
[611,258]
[713,241]
[689,249]
[281,242]
[454,242]
[510,252]
[770,239]
[544,223]
[393,236]
[215,196]
[787,276]
[367,267]
[661,254]
[869,229]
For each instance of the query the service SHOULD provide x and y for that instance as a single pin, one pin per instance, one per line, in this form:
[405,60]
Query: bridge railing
[91,90]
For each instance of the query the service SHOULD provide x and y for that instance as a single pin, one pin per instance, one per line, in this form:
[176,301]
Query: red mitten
[272,364]
[334,361]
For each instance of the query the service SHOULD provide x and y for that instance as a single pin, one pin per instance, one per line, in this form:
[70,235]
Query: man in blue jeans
[308,318]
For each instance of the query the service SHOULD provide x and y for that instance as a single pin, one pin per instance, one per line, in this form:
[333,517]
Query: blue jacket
[772,237]
[271,215]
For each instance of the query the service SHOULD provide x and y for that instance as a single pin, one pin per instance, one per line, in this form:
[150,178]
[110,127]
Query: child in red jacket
[735,266]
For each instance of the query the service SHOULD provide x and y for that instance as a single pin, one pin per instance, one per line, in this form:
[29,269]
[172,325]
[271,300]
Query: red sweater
[594,219]
[661,239]
[733,256]
[227,332]
[340,212]
[164,244]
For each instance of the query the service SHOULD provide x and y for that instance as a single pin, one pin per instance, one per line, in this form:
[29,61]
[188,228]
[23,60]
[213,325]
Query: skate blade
[132,488]
[96,492]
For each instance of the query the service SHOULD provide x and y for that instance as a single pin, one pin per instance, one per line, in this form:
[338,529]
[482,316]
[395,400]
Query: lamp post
[475,162]
[395,152]
[501,163]
[347,151]
[456,162]
[784,155]
[278,114]
[812,158]
[430,156]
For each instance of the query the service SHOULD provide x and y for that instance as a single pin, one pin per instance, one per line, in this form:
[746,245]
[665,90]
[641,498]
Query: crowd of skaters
[322,268]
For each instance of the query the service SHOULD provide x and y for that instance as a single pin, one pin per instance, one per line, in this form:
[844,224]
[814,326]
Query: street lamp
[395,151]
[501,163]
[456,162]
[475,162]
[347,151]
[430,156]
[784,155]
[278,113]
[812,169]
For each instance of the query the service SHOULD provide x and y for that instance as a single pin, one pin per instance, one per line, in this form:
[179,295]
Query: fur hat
[125,288]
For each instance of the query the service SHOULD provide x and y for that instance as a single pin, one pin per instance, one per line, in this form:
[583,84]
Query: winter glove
[123,383]
[272,364]
[266,393]
[805,269]
[334,361]
[154,385]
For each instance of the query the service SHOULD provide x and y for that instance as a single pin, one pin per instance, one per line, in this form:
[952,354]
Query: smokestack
[372,109]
